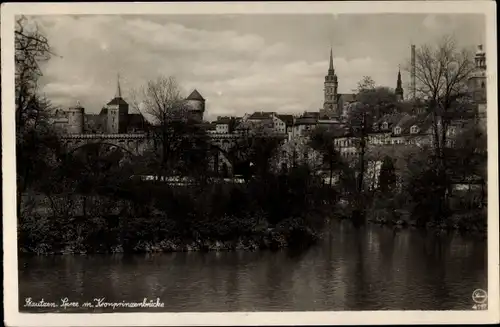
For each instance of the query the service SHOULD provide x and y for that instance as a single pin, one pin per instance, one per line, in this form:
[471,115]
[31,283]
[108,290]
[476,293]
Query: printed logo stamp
[480,297]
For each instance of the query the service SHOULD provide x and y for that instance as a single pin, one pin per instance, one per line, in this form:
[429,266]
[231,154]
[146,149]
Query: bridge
[136,143]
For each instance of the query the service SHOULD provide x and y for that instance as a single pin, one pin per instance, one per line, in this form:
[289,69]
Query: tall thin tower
[413,79]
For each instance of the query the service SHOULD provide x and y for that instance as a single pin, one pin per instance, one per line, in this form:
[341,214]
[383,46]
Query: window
[414,130]
[385,125]
[397,130]
[482,85]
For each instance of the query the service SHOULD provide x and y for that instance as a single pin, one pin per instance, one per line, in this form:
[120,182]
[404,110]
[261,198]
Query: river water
[373,268]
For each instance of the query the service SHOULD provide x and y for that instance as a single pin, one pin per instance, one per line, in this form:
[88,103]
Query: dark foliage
[387,178]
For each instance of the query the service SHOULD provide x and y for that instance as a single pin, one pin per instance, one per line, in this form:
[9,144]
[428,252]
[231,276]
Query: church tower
[330,105]
[117,112]
[477,86]
[399,87]
[477,81]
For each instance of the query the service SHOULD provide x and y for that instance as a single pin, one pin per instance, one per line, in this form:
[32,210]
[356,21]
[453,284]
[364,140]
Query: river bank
[371,268]
[474,222]
[292,233]
[227,235]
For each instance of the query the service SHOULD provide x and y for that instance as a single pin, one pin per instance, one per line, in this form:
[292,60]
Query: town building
[226,124]
[266,122]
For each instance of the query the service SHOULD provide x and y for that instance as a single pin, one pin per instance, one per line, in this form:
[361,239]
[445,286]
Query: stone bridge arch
[105,145]
[223,143]
[133,144]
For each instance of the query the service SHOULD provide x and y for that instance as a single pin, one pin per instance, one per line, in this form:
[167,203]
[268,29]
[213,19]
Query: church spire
[330,69]
[399,83]
[118,89]
[399,87]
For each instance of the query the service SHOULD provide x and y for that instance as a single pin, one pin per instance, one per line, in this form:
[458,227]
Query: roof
[287,119]
[261,115]
[306,121]
[422,121]
[224,120]
[309,118]
[207,126]
[329,121]
[311,114]
[391,119]
[405,121]
[195,95]
[244,125]
[117,101]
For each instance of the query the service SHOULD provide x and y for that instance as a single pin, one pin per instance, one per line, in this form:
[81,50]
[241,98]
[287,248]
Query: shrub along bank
[269,212]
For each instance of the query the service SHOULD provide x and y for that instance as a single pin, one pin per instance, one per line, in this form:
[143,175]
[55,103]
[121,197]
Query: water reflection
[370,268]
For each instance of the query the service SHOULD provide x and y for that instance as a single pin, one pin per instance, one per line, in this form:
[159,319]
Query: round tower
[75,119]
[196,105]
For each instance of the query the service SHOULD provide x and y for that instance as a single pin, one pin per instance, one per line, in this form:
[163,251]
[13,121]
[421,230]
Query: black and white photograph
[255,158]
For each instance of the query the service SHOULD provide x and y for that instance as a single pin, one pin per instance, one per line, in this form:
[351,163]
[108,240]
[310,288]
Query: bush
[270,212]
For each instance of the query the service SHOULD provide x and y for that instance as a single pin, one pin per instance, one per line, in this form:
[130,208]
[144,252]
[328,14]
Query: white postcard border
[12,315]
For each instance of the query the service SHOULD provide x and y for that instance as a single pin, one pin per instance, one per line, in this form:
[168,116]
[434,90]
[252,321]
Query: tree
[442,72]
[180,144]
[467,161]
[252,153]
[31,49]
[37,145]
[387,177]
[323,140]
[371,102]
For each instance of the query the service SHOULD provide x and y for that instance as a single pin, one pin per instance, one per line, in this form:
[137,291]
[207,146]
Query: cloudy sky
[239,63]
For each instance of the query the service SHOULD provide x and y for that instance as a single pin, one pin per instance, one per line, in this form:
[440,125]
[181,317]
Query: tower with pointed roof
[195,106]
[330,104]
[399,87]
[117,112]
